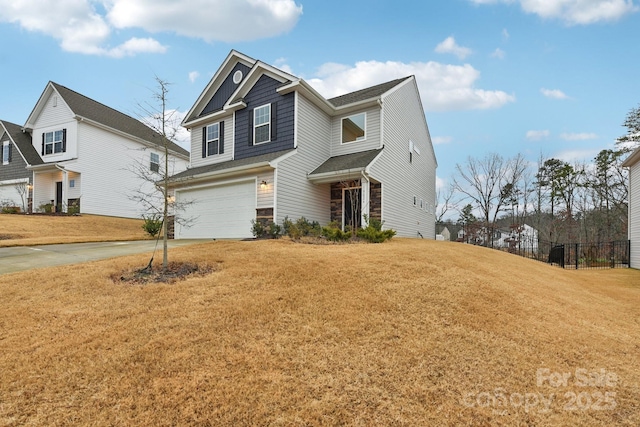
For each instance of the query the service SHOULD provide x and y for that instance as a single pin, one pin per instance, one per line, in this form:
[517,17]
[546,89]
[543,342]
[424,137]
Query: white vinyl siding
[54,119]
[196,145]
[372,133]
[404,183]
[265,195]
[295,195]
[634,214]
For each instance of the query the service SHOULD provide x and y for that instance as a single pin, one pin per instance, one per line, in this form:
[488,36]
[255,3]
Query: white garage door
[220,212]
[9,195]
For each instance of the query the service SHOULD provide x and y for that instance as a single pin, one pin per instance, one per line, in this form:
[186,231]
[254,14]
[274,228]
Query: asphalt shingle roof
[100,113]
[364,94]
[216,167]
[23,142]
[347,161]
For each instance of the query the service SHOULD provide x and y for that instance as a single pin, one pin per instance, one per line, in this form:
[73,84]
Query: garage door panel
[219,212]
[10,195]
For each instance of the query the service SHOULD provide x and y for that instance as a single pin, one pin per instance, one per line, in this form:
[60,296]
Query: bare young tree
[22,189]
[154,194]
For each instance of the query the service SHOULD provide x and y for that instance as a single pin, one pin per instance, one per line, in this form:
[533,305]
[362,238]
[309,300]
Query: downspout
[65,184]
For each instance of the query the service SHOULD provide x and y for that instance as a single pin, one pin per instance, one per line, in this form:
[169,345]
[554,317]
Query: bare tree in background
[443,202]
[489,182]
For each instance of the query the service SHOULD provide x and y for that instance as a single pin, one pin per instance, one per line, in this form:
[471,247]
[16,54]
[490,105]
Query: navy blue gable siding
[225,91]
[264,92]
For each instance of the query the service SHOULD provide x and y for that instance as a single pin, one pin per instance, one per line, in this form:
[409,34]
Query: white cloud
[537,135]
[441,183]
[505,34]
[437,140]
[578,136]
[571,156]
[442,87]
[223,20]
[281,63]
[498,53]
[554,93]
[193,76]
[86,26]
[449,46]
[573,12]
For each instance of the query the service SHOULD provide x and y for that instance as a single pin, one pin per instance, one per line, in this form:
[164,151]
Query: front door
[59,196]
[352,213]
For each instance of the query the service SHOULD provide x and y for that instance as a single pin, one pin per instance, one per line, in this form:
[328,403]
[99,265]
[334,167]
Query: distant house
[265,145]
[77,152]
[521,237]
[633,164]
[17,154]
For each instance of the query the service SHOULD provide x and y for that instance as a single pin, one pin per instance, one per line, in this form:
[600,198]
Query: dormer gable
[230,84]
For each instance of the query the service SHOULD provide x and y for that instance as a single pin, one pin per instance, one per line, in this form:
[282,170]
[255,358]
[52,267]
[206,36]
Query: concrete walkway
[22,258]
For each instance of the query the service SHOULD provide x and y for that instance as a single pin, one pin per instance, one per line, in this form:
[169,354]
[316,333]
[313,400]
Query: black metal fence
[575,255]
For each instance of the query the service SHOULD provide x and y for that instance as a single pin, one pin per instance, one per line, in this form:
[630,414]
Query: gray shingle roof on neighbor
[347,161]
[93,110]
[364,94]
[23,141]
[217,167]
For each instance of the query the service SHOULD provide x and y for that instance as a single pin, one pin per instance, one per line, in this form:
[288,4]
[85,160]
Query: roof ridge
[370,88]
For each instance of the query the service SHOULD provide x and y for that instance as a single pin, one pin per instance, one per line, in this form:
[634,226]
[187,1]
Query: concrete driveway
[21,258]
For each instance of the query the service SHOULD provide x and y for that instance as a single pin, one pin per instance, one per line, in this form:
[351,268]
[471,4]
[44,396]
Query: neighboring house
[265,145]
[633,163]
[16,153]
[521,237]
[88,153]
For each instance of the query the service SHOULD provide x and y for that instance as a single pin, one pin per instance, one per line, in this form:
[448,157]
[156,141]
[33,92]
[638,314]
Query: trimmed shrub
[334,233]
[152,224]
[373,232]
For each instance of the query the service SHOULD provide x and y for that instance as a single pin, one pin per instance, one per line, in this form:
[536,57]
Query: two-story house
[633,164]
[16,153]
[265,145]
[80,153]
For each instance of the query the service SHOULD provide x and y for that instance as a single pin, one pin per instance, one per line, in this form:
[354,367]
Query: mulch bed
[175,271]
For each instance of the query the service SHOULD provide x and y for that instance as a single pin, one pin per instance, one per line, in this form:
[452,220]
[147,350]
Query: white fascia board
[274,163]
[341,175]
[217,79]
[225,173]
[367,169]
[632,159]
[215,116]
[259,69]
[310,93]
[14,181]
[129,136]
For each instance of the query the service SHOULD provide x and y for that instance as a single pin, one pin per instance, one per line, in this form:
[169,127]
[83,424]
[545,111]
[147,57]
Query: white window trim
[5,152]
[53,142]
[151,162]
[364,138]
[268,123]
[207,140]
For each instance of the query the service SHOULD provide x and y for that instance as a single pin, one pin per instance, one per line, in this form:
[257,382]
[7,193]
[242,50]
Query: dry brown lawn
[20,230]
[402,333]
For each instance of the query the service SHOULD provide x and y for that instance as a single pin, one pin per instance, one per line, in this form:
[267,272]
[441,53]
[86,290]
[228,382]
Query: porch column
[365,195]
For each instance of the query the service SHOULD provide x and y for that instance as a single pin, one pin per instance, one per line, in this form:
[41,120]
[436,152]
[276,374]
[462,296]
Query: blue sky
[506,76]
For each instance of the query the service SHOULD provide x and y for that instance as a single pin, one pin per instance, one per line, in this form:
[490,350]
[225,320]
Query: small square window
[72,183]
[6,153]
[353,128]
[415,200]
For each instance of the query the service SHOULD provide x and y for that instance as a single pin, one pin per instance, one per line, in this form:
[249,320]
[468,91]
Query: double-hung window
[54,142]
[213,139]
[262,124]
[154,164]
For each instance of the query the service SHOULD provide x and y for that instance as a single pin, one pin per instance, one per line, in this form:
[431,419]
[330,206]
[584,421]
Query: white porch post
[365,192]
